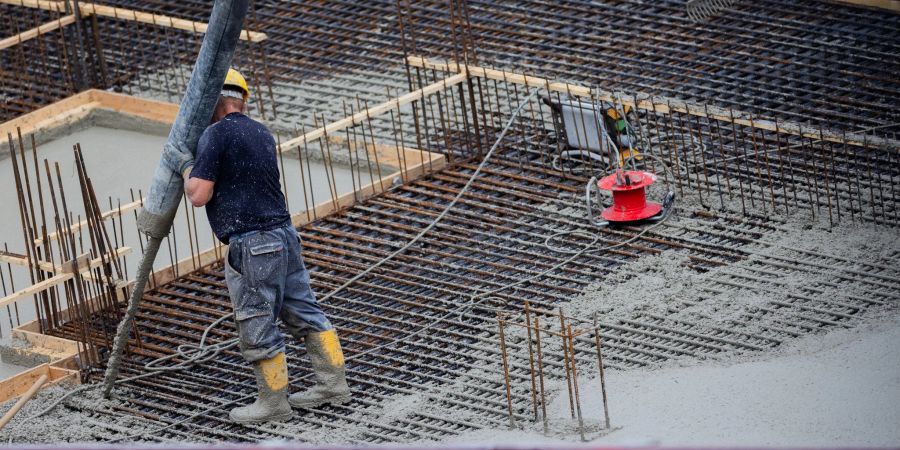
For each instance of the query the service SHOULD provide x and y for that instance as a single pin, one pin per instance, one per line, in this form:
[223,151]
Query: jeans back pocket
[267,247]
[265,251]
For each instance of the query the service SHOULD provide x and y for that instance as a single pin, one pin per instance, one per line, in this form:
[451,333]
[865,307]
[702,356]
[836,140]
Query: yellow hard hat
[235,79]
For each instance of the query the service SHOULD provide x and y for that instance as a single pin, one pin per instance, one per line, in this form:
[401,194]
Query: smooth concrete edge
[89,108]
[97,108]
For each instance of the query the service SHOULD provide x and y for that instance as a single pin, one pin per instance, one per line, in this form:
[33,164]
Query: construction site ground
[839,389]
[834,389]
[761,309]
[834,386]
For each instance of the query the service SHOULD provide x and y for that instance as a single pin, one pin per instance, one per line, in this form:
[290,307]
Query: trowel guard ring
[629,200]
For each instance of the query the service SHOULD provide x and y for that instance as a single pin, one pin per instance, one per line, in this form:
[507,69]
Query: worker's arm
[198,190]
[200,178]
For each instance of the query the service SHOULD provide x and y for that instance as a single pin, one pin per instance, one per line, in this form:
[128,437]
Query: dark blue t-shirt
[238,154]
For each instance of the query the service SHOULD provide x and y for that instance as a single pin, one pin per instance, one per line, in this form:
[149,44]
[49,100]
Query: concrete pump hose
[166,190]
[124,329]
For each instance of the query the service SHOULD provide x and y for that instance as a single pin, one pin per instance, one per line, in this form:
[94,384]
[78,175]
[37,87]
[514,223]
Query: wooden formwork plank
[432,161]
[145,108]
[55,347]
[660,104]
[36,288]
[78,106]
[47,116]
[48,5]
[160,20]
[55,280]
[16,385]
[889,5]
[374,111]
[118,212]
[37,31]
[19,383]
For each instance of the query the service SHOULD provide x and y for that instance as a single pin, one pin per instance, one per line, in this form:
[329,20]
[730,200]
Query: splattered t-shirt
[238,154]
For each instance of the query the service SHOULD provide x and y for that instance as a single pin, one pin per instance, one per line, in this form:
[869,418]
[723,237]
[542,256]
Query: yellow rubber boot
[271,404]
[324,350]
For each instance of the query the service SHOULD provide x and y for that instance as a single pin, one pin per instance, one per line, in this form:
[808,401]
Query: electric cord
[190,353]
[473,302]
[194,354]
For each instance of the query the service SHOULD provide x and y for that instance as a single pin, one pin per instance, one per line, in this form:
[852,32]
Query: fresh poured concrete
[119,160]
[8,370]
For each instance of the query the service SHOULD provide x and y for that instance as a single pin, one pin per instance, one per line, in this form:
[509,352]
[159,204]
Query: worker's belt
[251,232]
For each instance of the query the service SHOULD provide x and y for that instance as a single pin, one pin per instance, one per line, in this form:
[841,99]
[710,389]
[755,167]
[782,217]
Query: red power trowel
[629,198]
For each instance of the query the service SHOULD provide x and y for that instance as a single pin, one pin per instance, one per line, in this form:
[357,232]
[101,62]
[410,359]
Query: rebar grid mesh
[764,58]
[809,61]
[420,340]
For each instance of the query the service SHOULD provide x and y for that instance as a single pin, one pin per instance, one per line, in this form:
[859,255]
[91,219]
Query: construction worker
[236,177]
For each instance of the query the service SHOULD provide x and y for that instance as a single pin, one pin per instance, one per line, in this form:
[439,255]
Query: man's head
[233,96]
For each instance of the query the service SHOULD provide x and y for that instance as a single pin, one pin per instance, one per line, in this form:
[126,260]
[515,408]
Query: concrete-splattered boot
[327,360]
[271,404]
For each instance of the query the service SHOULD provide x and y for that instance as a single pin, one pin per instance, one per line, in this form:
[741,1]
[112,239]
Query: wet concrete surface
[8,370]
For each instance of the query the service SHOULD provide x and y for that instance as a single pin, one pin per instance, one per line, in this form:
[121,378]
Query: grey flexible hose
[124,328]
[166,189]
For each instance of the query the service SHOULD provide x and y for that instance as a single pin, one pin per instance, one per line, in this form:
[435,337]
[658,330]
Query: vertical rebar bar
[503,353]
[540,368]
[565,349]
[570,336]
[531,361]
[600,371]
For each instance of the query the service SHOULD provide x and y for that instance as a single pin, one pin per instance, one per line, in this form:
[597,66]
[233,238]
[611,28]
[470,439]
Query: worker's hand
[187,172]
[177,160]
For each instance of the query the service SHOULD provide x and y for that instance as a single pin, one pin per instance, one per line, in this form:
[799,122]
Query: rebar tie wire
[194,354]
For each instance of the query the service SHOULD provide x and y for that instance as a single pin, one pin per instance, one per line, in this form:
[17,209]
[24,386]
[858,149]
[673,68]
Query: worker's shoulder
[238,121]
[233,124]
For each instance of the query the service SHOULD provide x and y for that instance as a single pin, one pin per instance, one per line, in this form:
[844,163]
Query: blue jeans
[267,280]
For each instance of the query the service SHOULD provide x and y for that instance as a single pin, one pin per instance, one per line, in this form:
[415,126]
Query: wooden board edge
[19,383]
